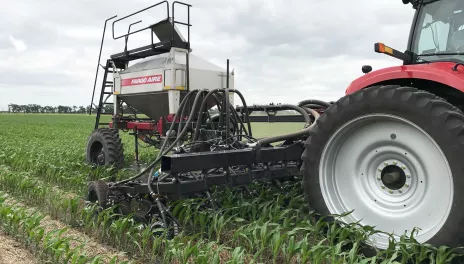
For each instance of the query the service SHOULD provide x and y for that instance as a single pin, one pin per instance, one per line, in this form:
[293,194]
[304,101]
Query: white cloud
[18,44]
[282,51]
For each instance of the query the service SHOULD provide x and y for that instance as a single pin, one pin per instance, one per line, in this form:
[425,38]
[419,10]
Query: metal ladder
[104,92]
[105,84]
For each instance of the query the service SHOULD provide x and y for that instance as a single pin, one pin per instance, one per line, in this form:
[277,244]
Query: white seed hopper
[148,84]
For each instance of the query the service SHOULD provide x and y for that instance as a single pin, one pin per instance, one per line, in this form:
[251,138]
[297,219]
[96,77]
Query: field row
[43,179]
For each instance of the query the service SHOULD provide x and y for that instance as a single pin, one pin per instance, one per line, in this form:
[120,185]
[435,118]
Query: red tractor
[390,149]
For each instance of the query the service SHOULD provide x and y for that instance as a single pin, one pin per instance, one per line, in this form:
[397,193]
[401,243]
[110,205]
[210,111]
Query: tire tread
[113,143]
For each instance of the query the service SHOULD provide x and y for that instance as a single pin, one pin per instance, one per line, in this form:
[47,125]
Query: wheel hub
[393,177]
[101,158]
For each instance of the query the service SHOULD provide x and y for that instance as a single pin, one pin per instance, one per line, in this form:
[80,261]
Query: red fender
[438,72]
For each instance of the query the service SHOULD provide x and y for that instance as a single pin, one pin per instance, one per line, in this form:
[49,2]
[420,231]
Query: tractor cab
[438,31]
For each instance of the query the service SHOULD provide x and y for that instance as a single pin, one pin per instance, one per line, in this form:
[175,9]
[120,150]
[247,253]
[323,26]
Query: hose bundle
[220,96]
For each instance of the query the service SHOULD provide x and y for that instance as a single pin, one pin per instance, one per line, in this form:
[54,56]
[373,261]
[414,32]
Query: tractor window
[439,32]
[433,36]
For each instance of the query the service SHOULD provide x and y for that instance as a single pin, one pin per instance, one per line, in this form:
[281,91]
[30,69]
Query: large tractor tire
[393,155]
[104,148]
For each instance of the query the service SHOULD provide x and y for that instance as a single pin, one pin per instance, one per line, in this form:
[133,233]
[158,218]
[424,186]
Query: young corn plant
[27,228]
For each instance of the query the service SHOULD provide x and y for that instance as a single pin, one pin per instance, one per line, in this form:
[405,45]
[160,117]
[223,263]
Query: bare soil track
[92,246]
[12,251]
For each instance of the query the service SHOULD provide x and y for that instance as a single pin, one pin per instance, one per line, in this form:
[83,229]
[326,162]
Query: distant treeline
[60,109]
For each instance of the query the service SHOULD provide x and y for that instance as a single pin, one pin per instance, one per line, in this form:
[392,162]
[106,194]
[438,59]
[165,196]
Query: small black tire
[97,193]
[172,228]
[443,122]
[105,148]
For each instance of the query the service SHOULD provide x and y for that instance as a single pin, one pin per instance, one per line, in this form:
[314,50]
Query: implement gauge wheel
[104,147]
[97,193]
[393,156]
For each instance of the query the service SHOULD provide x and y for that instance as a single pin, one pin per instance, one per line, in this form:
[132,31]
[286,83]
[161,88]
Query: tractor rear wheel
[393,156]
[104,147]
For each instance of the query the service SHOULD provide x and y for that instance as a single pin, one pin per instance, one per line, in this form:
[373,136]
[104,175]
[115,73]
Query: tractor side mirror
[366,69]
[406,2]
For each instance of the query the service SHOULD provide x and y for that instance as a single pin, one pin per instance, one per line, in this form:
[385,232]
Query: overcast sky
[282,51]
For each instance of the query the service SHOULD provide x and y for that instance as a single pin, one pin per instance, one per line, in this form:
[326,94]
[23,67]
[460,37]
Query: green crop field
[43,182]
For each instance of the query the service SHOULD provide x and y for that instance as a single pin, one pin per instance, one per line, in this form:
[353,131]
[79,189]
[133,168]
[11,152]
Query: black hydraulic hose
[246,109]
[187,123]
[313,101]
[239,120]
[243,103]
[312,112]
[226,103]
[202,109]
[210,119]
[302,132]
[237,117]
[269,140]
[200,112]
[218,102]
[182,115]
[313,106]
[181,106]
[298,109]
[151,165]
